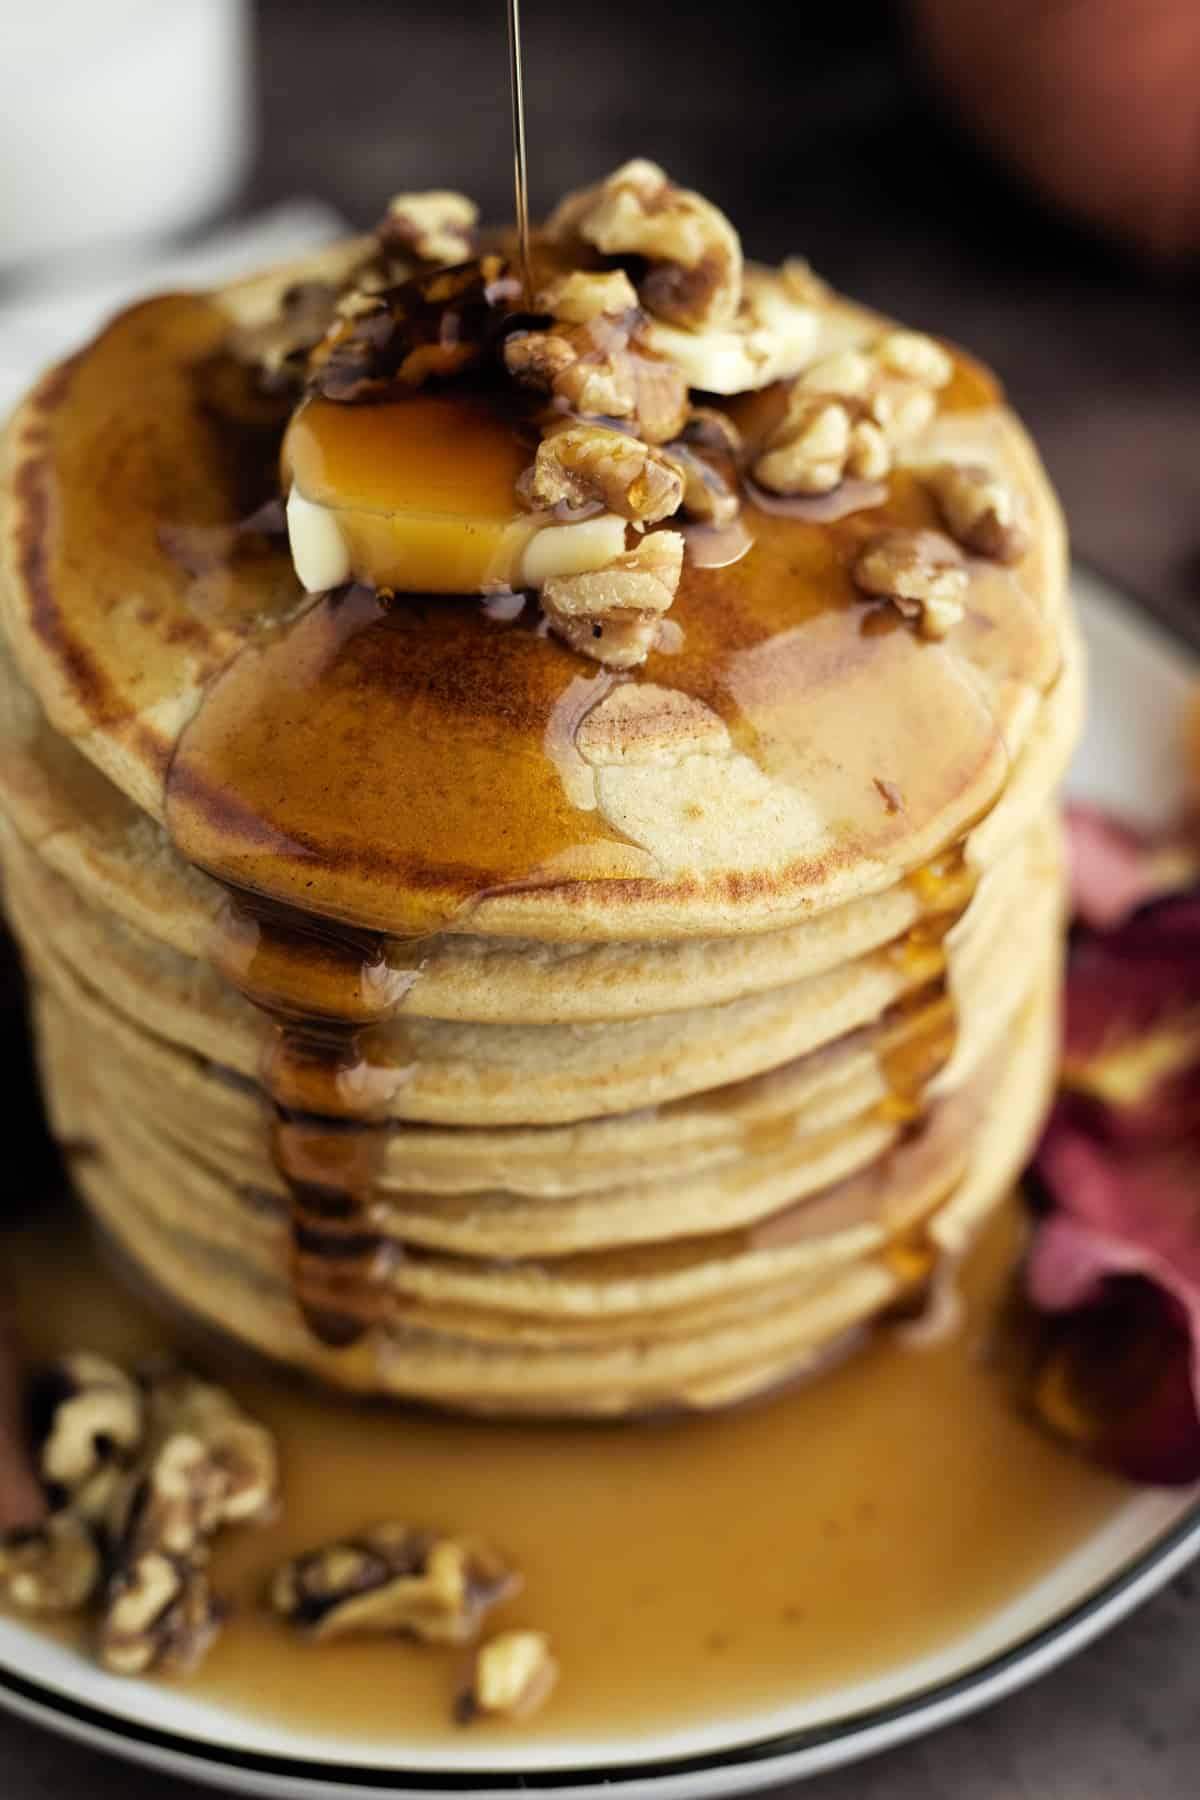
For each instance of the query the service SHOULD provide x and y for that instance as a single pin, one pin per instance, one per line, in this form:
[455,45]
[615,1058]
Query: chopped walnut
[706,455]
[439,324]
[160,1613]
[579,464]
[808,452]
[437,227]
[51,1568]
[612,614]
[394,1579]
[583,295]
[513,1675]
[591,370]
[846,373]
[982,512]
[889,394]
[694,278]
[240,1450]
[278,348]
[88,1422]
[915,356]
[205,1464]
[580,371]
[802,283]
[920,572]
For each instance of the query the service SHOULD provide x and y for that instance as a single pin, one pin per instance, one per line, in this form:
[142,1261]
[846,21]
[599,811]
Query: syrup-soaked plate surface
[808,1565]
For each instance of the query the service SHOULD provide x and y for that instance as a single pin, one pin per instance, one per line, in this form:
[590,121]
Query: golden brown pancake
[449,1014]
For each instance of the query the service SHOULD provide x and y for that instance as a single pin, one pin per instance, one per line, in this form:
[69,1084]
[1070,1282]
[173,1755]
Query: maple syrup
[685,1568]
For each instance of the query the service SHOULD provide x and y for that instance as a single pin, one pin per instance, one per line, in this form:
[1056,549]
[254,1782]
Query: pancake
[455,1002]
[502,1074]
[155,671]
[116,859]
[793,1334]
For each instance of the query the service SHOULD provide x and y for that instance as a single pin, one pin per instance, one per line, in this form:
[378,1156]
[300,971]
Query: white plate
[1128,760]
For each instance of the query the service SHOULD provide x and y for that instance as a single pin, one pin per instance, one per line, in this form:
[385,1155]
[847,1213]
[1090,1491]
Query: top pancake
[423,768]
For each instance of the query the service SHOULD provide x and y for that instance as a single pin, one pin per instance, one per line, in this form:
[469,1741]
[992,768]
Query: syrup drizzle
[520,165]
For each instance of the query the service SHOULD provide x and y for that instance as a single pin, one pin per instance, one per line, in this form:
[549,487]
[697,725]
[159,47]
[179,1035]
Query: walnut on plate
[921,572]
[394,1579]
[205,1464]
[613,614]
[512,1676]
[50,1568]
[88,1421]
[160,1613]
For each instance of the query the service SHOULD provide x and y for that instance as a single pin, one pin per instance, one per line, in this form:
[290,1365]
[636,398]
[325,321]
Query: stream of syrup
[520,164]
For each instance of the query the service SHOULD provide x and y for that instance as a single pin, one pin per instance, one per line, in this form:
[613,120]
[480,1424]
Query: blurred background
[1022,175]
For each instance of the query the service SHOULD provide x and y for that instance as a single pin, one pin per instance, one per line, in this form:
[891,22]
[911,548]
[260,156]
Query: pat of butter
[419,495]
[319,551]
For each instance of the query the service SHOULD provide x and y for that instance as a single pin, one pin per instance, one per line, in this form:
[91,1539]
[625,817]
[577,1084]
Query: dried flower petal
[1116,1257]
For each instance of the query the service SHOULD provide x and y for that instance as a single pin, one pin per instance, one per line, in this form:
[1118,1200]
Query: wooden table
[818,143]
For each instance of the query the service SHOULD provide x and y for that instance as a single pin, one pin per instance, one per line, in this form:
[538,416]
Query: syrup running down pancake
[530,818]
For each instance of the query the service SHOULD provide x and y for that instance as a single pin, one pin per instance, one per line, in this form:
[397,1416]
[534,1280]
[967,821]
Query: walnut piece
[916,357]
[920,572]
[392,1579]
[577,368]
[982,512]
[241,1451]
[436,227]
[205,1464]
[160,1613]
[513,1675]
[52,1568]
[583,295]
[850,410]
[436,325]
[590,369]
[278,348]
[818,443]
[694,278]
[580,464]
[612,614]
[707,455]
[88,1422]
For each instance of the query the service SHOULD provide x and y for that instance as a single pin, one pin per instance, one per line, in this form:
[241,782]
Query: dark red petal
[1115,869]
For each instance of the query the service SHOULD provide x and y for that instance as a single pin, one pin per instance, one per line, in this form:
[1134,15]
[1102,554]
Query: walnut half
[88,1418]
[982,512]
[921,572]
[694,277]
[512,1676]
[437,227]
[613,614]
[50,1568]
[579,464]
[393,1579]
[205,1464]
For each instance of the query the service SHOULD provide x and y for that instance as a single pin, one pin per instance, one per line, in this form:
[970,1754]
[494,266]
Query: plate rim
[848,1737]
[952,1697]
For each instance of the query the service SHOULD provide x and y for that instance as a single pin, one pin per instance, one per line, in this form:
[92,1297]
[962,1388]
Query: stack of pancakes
[439,1014]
